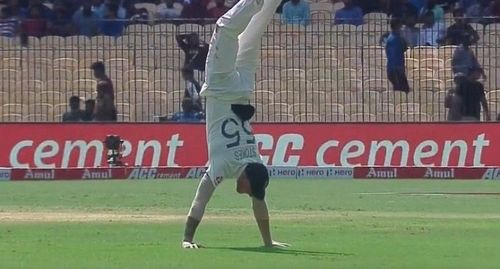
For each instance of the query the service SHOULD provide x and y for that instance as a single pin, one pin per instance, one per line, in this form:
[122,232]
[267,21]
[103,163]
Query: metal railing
[315,73]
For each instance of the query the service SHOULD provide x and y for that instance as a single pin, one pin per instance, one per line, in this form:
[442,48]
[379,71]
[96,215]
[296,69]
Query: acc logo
[143,173]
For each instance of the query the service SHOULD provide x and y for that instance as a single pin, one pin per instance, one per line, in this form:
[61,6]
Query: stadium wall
[49,146]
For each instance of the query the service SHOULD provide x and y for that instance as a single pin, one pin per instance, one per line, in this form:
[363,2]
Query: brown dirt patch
[88,217]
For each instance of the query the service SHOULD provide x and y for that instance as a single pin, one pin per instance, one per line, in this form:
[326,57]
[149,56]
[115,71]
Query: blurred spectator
[140,15]
[188,113]
[96,5]
[85,20]
[471,96]
[436,10]
[465,4]
[45,12]
[60,24]
[168,10]
[371,6]
[195,51]
[395,51]
[411,33]
[88,113]
[431,32]
[218,10]
[279,9]
[495,10]
[74,113]
[349,14]
[103,8]
[17,10]
[477,13]
[105,101]
[8,24]
[34,24]
[296,12]
[455,33]
[111,25]
[463,57]
[194,10]
[401,9]
[418,4]
[192,89]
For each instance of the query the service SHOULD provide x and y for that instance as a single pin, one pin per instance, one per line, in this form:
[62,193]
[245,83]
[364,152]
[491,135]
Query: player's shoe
[186,244]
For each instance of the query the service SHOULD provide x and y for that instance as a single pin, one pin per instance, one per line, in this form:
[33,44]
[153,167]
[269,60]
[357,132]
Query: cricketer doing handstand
[230,80]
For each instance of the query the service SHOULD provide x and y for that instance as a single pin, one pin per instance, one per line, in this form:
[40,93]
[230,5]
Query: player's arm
[262,217]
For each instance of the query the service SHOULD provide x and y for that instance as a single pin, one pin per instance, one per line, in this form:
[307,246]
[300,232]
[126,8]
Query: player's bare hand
[276,244]
[186,244]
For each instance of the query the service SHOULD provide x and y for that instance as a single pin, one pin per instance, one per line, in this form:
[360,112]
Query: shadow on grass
[288,251]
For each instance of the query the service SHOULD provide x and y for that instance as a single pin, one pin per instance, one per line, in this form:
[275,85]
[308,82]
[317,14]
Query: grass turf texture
[330,224]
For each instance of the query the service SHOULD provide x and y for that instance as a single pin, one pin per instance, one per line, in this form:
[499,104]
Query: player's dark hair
[258,176]
[99,66]
[74,99]
[396,24]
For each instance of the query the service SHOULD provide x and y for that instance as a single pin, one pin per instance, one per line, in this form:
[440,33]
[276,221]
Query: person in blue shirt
[349,14]
[188,114]
[418,4]
[85,20]
[111,24]
[296,12]
[395,50]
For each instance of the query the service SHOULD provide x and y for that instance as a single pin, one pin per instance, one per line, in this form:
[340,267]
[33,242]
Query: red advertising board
[397,145]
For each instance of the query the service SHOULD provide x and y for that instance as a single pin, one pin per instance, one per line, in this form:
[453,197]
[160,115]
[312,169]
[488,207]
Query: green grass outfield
[330,224]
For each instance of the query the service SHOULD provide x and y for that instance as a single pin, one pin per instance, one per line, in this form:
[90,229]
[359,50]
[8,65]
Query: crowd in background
[109,17]
[413,23]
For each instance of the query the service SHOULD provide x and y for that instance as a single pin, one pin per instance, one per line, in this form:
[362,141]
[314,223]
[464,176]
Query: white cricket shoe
[186,244]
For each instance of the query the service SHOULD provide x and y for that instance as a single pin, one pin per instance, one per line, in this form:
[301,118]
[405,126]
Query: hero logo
[439,173]
[286,172]
[382,173]
[4,174]
[492,173]
[312,172]
[101,174]
[39,174]
[341,172]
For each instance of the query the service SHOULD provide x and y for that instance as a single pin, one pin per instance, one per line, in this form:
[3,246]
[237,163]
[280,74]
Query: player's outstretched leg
[200,201]
[250,40]
[224,45]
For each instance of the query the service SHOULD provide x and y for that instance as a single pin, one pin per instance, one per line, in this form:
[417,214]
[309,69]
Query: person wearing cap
[231,65]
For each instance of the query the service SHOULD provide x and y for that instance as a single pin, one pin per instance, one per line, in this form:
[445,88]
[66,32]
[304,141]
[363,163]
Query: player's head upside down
[253,181]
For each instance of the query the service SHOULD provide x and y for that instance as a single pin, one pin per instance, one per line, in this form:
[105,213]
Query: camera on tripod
[114,146]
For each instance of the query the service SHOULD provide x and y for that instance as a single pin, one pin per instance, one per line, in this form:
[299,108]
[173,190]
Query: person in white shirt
[431,32]
[229,83]
[168,10]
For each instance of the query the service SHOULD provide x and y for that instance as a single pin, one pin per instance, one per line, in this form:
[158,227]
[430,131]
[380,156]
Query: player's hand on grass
[186,244]
[276,244]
